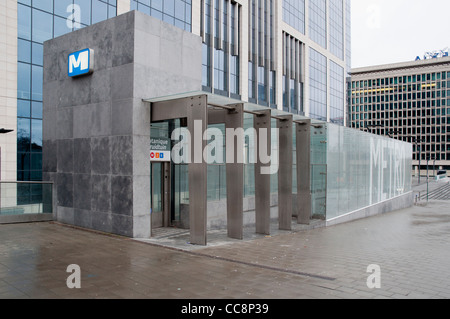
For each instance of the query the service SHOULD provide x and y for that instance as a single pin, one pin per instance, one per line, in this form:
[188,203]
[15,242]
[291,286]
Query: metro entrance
[179,192]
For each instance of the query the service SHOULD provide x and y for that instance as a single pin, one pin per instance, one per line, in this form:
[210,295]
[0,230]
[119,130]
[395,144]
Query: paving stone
[410,246]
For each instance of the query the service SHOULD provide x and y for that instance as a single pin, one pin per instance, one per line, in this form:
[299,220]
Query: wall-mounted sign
[81,63]
[160,149]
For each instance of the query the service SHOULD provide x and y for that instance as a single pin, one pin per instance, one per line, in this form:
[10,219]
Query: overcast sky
[390,31]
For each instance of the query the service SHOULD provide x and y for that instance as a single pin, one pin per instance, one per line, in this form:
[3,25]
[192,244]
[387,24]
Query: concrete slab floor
[409,246]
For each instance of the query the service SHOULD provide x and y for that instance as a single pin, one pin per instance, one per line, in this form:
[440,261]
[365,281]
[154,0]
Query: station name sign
[81,63]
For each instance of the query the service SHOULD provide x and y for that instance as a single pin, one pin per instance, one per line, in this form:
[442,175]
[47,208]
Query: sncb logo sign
[156,155]
[81,63]
[159,156]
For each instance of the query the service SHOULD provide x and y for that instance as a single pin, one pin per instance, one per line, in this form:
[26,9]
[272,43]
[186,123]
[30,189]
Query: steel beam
[170,110]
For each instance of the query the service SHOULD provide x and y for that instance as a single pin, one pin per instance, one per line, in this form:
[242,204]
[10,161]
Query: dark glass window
[23,108]
[42,24]
[24,51]
[234,74]
[24,22]
[23,80]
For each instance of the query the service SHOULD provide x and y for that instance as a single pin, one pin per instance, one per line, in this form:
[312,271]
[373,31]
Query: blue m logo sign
[81,62]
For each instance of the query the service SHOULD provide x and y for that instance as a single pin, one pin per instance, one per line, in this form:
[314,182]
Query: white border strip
[360,209]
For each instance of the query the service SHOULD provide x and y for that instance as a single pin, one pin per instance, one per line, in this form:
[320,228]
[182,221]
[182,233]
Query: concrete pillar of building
[123,6]
[8,89]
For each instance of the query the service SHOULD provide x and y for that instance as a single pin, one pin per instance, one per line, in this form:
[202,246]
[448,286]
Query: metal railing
[25,199]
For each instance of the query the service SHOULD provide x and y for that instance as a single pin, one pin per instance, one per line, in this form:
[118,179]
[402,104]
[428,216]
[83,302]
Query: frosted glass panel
[318,171]
[364,169]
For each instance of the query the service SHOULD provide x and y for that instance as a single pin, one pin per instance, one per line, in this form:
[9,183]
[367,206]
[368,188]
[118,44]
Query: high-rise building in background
[409,102]
[292,55]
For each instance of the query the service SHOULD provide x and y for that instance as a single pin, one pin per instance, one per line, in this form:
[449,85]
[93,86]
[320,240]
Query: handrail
[23,182]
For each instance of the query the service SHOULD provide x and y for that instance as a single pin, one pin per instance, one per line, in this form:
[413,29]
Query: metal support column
[285,149]
[197,121]
[233,117]
[195,110]
[235,176]
[303,139]
[262,181]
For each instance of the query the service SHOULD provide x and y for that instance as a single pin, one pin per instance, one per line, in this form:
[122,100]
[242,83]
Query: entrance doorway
[160,194]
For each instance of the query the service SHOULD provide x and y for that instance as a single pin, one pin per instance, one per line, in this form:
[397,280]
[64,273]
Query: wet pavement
[411,248]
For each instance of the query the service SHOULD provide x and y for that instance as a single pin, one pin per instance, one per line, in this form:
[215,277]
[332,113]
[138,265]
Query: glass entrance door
[157,192]
[160,194]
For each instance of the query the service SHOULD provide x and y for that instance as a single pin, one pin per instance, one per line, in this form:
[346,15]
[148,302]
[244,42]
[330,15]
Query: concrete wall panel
[97,129]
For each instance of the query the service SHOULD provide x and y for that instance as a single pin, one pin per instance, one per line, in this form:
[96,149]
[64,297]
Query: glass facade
[350,170]
[261,71]
[337,94]
[292,78]
[24,198]
[294,14]
[348,35]
[412,108]
[329,25]
[318,22]
[336,8]
[220,59]
[364,170]
[318,171]
[175,12]
[318,85]
[38,21]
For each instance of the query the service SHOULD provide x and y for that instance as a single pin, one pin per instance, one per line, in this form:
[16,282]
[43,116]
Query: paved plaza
[410,247]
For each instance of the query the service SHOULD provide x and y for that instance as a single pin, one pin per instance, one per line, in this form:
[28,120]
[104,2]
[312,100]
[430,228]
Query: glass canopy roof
[224,101]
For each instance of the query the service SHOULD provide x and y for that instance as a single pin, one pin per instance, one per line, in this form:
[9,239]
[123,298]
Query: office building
[408,102]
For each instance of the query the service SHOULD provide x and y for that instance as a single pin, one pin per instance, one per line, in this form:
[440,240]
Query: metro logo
[81,63]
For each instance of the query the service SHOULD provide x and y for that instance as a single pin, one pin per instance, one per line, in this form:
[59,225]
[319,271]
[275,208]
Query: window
[318,85]
[336,8]
[175,12]
[337,97]
[318,22]
[294,14]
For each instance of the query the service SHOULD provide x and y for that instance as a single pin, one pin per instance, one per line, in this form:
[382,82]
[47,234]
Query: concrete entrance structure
[97,139]
[96,128]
